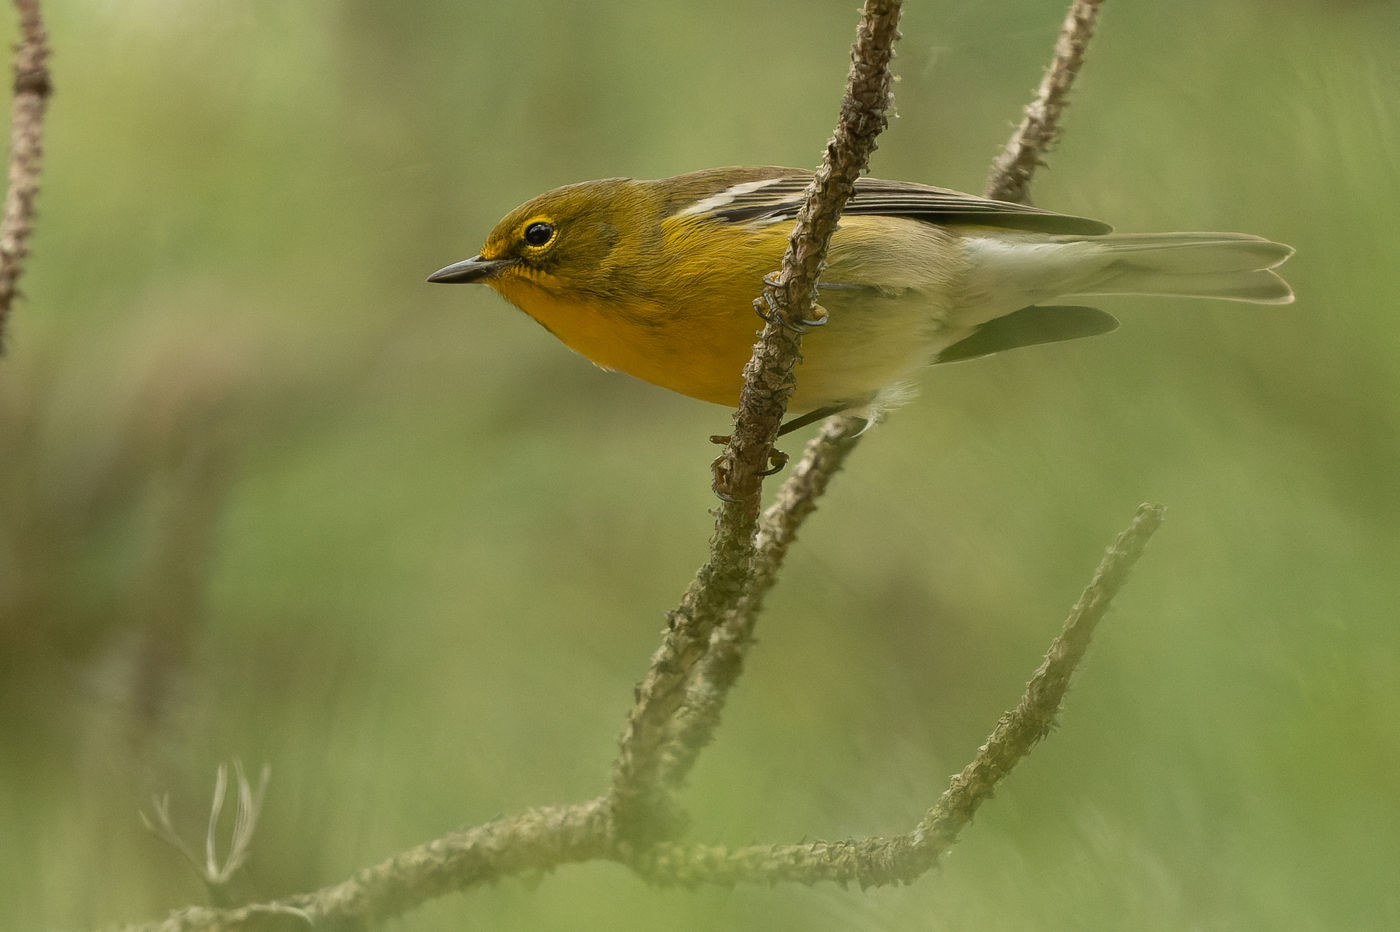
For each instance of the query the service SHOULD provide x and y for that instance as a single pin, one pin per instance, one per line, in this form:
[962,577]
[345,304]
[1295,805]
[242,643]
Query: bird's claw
[722,484]
[767,309]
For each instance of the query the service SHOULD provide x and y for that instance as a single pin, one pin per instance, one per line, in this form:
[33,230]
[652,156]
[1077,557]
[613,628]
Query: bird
[657,279]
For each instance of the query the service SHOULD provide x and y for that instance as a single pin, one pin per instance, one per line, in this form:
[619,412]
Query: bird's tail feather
[1229,266]
[1014,272]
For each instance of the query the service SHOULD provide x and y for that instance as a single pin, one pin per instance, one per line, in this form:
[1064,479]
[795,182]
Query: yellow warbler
[657,278]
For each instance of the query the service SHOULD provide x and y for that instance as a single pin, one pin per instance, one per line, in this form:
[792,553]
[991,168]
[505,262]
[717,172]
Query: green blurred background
[265,494]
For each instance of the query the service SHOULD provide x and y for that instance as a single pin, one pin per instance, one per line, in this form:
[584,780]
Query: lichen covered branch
[1012,170]
[649,738]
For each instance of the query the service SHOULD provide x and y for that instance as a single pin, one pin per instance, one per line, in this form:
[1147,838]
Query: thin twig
[1031,720]
[32,89]
[641,801]
[710,681]
[1012,170]
[216,876]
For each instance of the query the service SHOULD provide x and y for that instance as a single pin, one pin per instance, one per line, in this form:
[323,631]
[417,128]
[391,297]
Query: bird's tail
[1227,266]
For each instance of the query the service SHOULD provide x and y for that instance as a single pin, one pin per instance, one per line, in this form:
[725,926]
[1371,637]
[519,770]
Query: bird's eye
[537,234]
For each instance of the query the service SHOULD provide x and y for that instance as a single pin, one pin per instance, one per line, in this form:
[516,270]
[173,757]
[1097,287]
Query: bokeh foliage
[265,494]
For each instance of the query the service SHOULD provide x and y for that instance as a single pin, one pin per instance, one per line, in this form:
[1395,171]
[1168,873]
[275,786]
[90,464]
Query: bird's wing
[776,194]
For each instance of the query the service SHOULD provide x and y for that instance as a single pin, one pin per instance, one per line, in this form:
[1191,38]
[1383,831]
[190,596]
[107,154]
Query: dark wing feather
[781,198]
[1030,326]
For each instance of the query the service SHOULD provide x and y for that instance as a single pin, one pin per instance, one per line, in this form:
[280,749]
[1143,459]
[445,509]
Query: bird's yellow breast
[688,348]
[693,329]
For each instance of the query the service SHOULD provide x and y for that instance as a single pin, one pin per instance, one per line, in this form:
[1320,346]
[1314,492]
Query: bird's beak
[474,269]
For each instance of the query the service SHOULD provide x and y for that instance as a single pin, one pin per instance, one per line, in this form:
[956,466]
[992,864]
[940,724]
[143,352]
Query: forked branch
[699,710]
[642,777]
[880,861]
